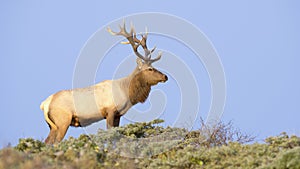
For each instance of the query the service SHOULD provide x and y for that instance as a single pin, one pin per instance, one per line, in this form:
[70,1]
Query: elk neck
[137,87]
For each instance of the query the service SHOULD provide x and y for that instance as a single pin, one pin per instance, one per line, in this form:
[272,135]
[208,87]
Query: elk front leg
[112,119]
[117,121]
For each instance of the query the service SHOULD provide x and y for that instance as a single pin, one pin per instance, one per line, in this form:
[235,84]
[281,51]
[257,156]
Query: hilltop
[148,145]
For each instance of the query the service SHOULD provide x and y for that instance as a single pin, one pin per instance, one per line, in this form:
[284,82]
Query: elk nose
[166,77]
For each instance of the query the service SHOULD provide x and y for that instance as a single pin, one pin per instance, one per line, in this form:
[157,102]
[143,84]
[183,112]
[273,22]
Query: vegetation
[148,145]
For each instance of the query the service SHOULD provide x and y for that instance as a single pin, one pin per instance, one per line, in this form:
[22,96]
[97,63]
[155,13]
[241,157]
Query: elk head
[144,69]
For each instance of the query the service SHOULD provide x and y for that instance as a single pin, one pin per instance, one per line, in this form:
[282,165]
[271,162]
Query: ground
[148,145]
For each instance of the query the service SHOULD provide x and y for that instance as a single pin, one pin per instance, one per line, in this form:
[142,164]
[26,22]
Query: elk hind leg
[65,119]
[51,137]
[53,129]
[62,120]
[61,132]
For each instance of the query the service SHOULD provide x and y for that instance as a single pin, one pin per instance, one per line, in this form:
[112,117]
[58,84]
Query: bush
[217,135]
[148,145]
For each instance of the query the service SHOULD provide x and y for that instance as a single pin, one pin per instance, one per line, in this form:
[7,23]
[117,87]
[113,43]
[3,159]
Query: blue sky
[257,42]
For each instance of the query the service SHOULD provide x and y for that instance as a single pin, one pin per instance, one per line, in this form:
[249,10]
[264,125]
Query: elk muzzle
[164,78]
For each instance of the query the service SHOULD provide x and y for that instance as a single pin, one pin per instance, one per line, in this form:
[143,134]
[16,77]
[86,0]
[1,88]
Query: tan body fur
[108,100]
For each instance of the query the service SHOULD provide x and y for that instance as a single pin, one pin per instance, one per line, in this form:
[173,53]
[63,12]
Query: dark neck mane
[138,89]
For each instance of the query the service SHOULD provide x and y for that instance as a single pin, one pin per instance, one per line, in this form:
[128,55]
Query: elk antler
[135,43]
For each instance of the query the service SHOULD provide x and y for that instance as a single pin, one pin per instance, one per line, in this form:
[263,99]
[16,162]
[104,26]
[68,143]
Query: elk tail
[45,107]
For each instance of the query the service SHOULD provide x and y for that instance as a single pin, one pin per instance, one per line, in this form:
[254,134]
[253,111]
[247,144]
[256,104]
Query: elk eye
[150,69]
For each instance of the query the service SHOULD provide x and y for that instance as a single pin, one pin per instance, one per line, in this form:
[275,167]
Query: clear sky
[257,42]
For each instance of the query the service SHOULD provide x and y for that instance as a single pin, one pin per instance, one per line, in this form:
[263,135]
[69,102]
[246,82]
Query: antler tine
[156,59]
[132,30]
[146,33]
[111,32]
[153,49]
[144,44]
[133,33]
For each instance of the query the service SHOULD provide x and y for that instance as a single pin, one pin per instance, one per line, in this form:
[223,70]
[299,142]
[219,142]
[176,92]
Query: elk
[109,99]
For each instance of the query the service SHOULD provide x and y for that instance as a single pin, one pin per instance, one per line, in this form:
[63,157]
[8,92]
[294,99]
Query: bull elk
[109,99]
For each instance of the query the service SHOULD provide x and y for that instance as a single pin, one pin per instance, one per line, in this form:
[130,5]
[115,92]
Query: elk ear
[139,62]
